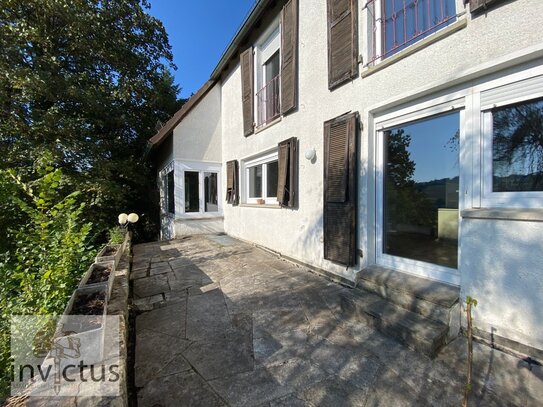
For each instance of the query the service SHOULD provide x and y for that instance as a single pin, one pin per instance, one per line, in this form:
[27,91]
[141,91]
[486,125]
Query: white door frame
[443,105]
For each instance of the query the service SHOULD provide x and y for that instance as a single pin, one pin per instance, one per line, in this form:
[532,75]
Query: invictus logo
[66,356]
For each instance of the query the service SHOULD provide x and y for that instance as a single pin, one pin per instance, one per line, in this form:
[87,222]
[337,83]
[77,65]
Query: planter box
[105,254]
[81,330]
[95,276]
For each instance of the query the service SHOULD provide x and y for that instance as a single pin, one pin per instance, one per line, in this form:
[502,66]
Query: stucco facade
[479,60]
[194,146]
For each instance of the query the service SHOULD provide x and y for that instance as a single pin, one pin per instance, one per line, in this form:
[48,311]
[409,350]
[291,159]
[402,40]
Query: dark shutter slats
[338,144]
[289,50]
[287,183]
[247,91]
[232,182]
[342,41]
[283,172]
[340,187]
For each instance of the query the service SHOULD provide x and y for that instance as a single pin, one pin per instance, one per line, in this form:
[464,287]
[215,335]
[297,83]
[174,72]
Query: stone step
[411,329]
[431,299]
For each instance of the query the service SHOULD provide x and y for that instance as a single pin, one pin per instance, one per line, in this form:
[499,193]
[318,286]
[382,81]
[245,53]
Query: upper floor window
[269,78]
[397,24]
[267,67]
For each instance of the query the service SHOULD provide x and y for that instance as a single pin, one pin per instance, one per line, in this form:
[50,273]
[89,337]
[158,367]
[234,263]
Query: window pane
[210,188]
[192,193]
[420,213]
[517,147]
[255,182]
[407,21]
[271,67]
[170,192]
[272,171]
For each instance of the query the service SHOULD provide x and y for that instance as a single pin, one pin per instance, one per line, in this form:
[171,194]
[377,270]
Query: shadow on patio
[225,323]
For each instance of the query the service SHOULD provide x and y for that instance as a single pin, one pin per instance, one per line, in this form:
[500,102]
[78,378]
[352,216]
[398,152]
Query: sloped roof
[232,50]
[165,130]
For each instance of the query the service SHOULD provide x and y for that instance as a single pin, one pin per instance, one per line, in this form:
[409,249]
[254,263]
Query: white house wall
[198,136]
[481,47]
[195,146]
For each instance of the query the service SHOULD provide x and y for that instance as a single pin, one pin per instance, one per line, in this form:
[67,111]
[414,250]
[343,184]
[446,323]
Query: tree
[85,81]
[404,202]
[518,147]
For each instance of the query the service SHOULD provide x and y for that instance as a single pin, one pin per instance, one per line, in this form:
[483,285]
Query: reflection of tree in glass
[518,147]
[405,204]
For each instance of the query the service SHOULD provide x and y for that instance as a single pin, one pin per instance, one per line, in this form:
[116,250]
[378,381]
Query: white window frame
[163,183]
[201,168]
[267,45]
[263,159]
[503,96]
[446,104]
[369,38]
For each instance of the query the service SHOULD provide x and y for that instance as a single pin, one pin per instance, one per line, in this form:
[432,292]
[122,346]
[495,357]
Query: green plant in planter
[115,235]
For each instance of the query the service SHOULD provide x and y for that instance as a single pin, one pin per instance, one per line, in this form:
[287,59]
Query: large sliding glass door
[418,190]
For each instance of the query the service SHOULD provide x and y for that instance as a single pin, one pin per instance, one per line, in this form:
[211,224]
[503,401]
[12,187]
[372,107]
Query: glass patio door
[417,190]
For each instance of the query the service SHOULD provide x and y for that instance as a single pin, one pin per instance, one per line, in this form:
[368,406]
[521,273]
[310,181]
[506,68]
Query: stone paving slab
[223,323]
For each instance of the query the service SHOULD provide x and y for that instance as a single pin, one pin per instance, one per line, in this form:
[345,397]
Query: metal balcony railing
[396,24]
[268,102]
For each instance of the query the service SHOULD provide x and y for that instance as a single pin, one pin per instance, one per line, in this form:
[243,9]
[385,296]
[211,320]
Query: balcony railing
[268,102]
[396,24]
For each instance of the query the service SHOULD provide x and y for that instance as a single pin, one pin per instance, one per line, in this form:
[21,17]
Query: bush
[49,255]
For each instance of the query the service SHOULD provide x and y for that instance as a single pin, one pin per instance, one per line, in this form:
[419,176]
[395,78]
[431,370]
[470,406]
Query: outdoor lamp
[133,218]
[310,154]
[123,218]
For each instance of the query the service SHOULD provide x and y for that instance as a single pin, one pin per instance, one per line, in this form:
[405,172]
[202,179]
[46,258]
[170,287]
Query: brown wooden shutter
[232,182]
[289,51]
[481,5]
[342,41]
[247,91]
[340,187]
[287,180]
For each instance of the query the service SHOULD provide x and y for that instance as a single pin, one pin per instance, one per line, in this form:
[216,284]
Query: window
[269,79]
[192,193]
[170,193]
[210,192]
[512,145]
[397,24]
[261,177]
[517,147]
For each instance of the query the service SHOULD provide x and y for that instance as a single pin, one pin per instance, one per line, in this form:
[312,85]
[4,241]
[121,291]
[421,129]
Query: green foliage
[405,203]
[51,250]
[116,235]
[86,81]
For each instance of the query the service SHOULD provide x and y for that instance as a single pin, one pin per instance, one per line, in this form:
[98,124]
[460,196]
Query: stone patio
[224,323]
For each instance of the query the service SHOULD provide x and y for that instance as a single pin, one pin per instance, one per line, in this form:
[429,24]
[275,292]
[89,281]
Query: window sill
[198,216]
[445,32]
[264,127]
[514,214]
[269,206]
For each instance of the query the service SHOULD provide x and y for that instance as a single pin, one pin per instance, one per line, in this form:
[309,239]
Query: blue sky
[199,32]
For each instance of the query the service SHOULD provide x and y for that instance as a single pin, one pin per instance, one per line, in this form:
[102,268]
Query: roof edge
[155,141]
[254,14]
